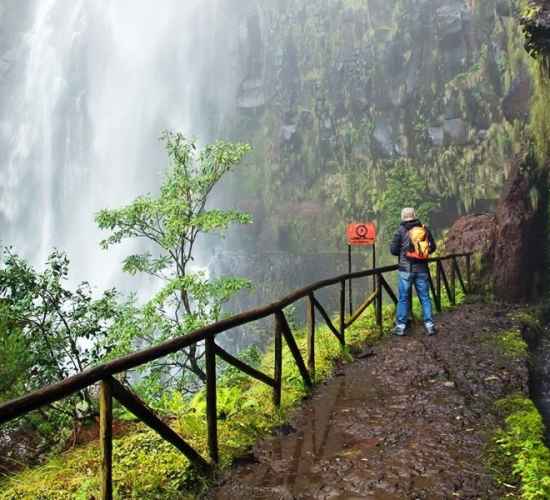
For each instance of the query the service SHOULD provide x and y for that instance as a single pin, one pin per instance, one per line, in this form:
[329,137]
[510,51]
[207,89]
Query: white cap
[408,214]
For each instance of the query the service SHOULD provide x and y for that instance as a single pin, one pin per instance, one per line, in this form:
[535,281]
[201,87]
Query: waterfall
[85,90]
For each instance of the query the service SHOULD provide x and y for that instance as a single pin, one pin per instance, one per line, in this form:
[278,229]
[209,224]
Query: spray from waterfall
[87,90]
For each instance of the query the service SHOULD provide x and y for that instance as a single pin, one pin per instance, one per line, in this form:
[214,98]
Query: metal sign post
[362,234]
[349,272]
[373,266]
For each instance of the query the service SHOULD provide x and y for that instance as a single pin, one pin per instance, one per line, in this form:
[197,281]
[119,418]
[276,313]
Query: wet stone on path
[409,422]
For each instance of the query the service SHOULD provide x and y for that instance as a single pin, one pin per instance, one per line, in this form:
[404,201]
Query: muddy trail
[409,421]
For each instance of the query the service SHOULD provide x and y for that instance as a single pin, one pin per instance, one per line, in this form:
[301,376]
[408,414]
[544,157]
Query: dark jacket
[401,244]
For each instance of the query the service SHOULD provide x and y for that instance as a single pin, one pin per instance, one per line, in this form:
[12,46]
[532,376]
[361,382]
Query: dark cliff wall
[518,255]
[337,97]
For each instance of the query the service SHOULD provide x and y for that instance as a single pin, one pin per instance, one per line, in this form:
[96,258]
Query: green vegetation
[145,466]
[518,450]
[517,454]
[540,114]
[405,187]
[16,360]
[511,344]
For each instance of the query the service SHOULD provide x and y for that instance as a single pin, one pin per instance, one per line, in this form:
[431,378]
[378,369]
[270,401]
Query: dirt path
[409,422]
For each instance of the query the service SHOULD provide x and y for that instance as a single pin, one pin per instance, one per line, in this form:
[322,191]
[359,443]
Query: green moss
[518,454]
[529,318]
[511,344]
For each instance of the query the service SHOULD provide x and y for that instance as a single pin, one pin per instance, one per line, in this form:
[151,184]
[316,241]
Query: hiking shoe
[399,331]
[430,329]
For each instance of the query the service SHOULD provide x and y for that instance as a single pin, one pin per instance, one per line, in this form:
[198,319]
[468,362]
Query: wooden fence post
[411,314]
[433,290]
[350,291]
[469,273]
[106,439]
[211,403]
[278,369]
[438,282]
[379,320]
[311,335]
[343,312]
[453,283]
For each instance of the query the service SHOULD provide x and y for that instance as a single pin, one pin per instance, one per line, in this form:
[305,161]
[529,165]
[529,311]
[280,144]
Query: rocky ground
[409,421]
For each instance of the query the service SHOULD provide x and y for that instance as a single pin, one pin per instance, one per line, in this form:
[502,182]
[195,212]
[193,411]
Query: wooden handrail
[110,387]
[54,392]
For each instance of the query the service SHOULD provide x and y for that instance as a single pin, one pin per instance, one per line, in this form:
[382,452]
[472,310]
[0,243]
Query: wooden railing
[111,388]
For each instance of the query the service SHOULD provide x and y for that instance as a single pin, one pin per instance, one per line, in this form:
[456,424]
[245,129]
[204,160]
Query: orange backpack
[420,245]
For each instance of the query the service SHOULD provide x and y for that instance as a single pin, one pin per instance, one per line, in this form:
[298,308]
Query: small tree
[172,221]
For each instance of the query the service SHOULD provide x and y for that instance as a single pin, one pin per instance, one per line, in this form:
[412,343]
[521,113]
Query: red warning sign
[361,234]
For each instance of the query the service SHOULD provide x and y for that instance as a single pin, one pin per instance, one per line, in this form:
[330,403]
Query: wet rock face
[380,84]
[251,95]
[450,21]
[519,242]
[515,104]
[456,132]
[539,373]
[511,242]
[473,233]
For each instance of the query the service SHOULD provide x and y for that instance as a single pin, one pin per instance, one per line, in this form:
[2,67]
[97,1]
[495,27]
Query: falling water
[85,90]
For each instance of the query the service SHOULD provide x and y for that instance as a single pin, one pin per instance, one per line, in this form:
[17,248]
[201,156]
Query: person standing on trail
[413,243]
